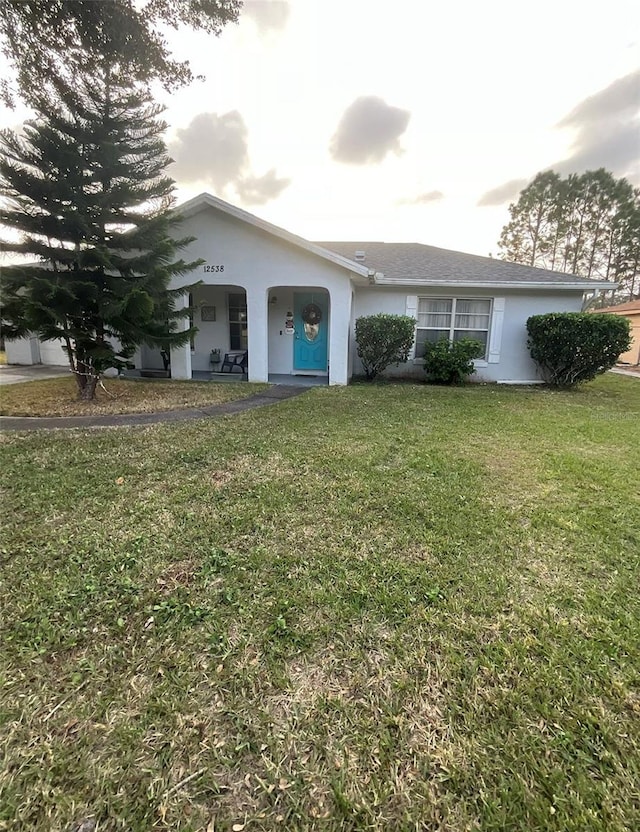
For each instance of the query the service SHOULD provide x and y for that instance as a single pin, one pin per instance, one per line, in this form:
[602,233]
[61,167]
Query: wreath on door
[312,314]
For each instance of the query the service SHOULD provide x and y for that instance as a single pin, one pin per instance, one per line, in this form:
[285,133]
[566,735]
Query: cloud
[606,127]
[621,96]
[256,190]
[503,193]
[267,14]
[422,199]
[607,130]
[214,149]
[368,130]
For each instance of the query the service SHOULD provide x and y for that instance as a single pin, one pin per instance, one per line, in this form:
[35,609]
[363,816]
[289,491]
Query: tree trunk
[87,381]
[88,393]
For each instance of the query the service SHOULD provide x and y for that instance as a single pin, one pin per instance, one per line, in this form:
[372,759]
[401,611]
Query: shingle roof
[414,263]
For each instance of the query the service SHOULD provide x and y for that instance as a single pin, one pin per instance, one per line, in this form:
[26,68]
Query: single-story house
[292,304]
[630,310]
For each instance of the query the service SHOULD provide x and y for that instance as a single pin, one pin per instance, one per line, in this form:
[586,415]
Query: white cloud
[368,130]
[214,150]
[503,193]
[267,14]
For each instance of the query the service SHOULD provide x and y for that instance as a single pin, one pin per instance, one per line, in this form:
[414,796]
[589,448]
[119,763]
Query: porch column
[339,335]
[181,356]
[258,334]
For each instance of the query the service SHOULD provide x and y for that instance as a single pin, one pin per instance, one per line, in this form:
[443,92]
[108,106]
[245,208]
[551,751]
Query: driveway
[14,374]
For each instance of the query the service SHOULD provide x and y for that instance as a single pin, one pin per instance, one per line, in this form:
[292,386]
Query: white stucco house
[291,304]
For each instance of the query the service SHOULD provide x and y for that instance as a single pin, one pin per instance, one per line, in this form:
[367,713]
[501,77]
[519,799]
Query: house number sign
[216,268]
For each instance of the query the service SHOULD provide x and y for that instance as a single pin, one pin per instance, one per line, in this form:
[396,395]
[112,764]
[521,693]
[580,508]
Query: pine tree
[87,202]
[41,38]
[587,224]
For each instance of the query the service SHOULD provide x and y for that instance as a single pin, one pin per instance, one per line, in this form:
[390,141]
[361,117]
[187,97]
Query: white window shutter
[495,339]
[412,312]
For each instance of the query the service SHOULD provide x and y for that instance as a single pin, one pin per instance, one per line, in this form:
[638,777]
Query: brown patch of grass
[176,575]
[58,397]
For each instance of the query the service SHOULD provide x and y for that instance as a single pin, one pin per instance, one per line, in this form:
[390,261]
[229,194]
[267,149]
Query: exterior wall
[33,351]
[513,364]
[23,351]
[632,356]
[634,352]
[51,352]
[264,266]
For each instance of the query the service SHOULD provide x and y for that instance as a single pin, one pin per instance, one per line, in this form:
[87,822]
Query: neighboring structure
[630,310]
[293,304]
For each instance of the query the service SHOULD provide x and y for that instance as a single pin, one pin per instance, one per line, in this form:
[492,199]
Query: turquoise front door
[311,331]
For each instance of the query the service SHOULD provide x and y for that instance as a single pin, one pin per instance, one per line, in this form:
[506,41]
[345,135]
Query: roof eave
[483,284]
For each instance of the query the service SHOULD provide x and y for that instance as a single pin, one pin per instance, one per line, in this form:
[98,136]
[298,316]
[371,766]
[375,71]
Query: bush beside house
[383,340]
[573,347]
[451,362]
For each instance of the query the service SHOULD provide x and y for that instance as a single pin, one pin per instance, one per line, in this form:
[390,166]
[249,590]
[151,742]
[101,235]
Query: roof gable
[206,200]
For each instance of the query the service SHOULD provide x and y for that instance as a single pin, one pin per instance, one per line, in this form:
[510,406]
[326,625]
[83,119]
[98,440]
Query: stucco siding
[264,266]
[514,363]
[23,351]
[632,356]
[32,351]
[251,257]
[51,352]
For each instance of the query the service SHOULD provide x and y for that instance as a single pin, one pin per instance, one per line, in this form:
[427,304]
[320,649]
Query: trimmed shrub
[384,340]
[572,347]
[451,362]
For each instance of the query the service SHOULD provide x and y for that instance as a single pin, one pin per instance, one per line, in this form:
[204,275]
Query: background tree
[587,224]
[87,198]
[44,38]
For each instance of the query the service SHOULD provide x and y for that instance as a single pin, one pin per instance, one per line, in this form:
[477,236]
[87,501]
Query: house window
[238,321]
[452,318]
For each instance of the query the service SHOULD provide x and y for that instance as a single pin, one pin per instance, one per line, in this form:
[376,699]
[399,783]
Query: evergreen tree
[41,38]
[587,224]
[528,238]
[86,198]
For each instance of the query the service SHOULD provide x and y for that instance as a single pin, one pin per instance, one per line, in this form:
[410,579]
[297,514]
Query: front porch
[294,335]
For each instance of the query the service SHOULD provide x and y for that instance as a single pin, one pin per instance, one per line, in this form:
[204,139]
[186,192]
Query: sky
[407,121]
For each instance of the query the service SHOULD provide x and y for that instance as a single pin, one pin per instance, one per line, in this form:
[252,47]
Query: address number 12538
[213,268]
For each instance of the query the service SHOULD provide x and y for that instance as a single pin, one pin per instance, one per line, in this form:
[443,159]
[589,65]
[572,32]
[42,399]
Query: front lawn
[385,607]
[59,396]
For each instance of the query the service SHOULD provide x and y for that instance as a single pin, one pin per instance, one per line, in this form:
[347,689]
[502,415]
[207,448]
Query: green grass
[59,396]
[385,607]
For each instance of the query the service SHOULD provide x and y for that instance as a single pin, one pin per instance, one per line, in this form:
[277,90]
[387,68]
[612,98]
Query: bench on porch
[235,361]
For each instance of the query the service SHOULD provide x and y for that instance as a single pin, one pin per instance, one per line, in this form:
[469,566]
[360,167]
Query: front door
[311,331]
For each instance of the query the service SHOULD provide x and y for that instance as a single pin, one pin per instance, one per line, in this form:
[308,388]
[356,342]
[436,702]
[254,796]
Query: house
[292,304]
[630,310]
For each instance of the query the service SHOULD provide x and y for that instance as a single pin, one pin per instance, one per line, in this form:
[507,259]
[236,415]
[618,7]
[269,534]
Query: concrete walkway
[622,372]
[274,394]
[15,374]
